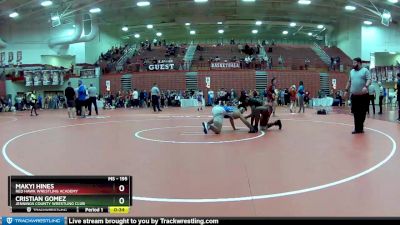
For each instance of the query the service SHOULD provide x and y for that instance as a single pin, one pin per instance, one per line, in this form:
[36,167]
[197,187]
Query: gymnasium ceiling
[238,17]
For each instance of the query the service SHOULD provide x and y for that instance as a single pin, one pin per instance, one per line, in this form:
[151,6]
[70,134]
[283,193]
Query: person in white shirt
[135,97]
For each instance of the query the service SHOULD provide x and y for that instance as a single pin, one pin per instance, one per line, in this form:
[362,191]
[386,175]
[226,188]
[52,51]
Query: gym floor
[314,166]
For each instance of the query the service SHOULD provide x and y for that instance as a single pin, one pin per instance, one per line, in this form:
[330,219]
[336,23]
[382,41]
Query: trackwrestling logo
[33,220]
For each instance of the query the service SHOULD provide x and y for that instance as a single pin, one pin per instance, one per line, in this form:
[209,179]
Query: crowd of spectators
[107,60]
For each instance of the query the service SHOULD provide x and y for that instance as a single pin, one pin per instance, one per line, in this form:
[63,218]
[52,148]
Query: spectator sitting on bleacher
[199,48]
[280,60]
[306,63]
[240,48]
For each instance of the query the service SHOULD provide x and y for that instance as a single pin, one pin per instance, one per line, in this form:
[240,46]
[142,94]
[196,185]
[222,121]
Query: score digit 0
[121,188]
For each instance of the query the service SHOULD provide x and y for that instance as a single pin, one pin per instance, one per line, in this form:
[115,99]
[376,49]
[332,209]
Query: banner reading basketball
[225,65]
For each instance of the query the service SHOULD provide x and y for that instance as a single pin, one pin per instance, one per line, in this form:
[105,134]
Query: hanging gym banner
[155,67]
[229,65]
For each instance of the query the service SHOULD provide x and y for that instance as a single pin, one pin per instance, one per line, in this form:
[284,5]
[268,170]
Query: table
[185,103]
[324,102]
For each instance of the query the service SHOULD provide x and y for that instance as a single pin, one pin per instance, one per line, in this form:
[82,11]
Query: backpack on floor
[321,112]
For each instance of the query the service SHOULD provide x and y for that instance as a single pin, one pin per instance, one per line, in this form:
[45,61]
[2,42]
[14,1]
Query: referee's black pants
[359,108]
[155,103]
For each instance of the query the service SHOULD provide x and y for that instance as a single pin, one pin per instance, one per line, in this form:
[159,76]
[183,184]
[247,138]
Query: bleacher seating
[335,51]
[224,52]
[146,57]
[294,56]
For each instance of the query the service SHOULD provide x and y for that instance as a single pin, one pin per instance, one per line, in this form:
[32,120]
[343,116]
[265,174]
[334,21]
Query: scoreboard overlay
[88,194]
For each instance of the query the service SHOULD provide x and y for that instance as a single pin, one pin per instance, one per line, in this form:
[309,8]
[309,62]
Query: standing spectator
[33,101]
[141,98]
[162,100]
[40,102]
[233,94]
[398,95]
[82,98]
[357,84]
[300,94]
[307,98]
[199,100]
[210,97]
[271,96]
[380,97]
[155,96]
[135,97]
[292,94]
[92,99]
[372,96]
[70,96]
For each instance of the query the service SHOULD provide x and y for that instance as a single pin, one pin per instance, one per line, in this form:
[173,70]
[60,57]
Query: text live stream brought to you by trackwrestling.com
[17,220]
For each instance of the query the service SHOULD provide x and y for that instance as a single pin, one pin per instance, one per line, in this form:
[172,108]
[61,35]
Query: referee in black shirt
[70,96]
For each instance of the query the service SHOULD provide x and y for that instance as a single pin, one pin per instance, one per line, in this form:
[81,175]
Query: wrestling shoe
[205,127]
[279,124]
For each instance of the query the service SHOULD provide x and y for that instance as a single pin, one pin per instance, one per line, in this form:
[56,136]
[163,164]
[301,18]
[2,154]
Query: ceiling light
[95,10]
[187,24]
[367,22]
[219,23]
[386,15]
[200,0]
[14,14]
[320,26]
[310,34]
[149,26]
[304,2]
[143,3]
[350,8]
[285,32]
[248,0]
[158,34]
[254,31]
[125,28]
[137,35]
[393,1]
[293,24]
[220,31]
[192,32]
[392,53]
[54,18]
[258,23]
[46,3]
